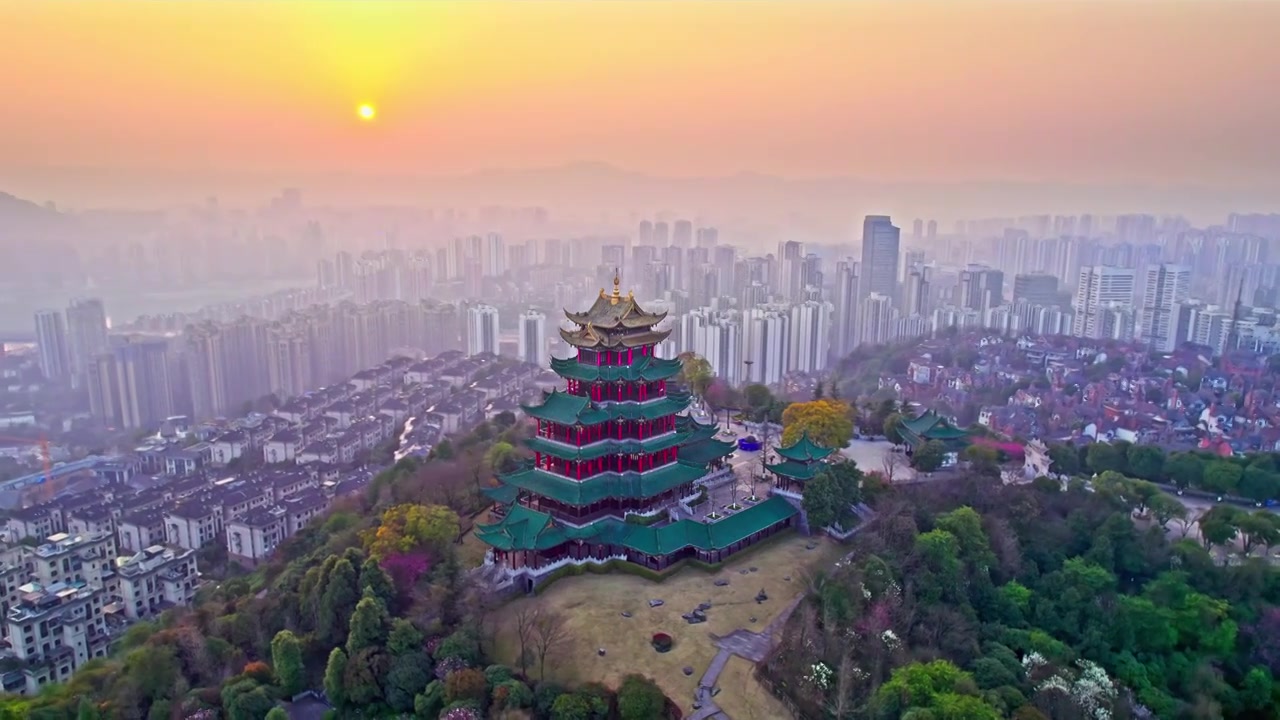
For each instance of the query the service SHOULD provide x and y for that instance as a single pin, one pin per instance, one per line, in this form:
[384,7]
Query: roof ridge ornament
[617,288]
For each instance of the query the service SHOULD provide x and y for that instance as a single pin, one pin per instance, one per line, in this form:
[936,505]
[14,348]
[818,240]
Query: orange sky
[1094,91]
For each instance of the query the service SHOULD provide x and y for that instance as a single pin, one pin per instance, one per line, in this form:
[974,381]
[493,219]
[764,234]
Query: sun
[366,111]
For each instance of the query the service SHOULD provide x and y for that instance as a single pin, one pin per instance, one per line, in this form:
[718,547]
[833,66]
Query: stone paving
[753,646]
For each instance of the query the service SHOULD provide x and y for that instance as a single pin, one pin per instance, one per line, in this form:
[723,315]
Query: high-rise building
[917,228]
[932,230]
[289,362]
[916,293]
[130,387]
[810,336]
[846,308]
[766,342]
[708,237]
[1099,287]
[1165,287]
[878,322]
[879,257]
[790,270]
[1035,288]
[981,288]
[532,342]
[716,337]
[52,341]
[682,234]
[482,330]
[87,331]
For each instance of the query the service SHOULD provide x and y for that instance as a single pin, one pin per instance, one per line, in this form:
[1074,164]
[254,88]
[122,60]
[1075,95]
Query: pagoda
[928,426]
[616,468]
[798,463]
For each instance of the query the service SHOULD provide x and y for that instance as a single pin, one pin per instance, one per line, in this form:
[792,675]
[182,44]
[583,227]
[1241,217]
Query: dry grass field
[593,606]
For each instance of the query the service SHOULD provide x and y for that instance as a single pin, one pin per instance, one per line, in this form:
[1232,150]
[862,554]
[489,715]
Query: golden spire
[617,289]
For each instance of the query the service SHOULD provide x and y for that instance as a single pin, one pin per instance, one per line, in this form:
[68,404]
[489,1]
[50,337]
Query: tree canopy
[826,421]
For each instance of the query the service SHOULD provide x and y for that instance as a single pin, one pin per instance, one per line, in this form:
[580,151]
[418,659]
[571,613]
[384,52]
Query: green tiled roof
[931,426]
[704,451]
[795,470]
[604,485]
[601,448]
[709,536]
[561,407]
[521,529]
[645,368]
[503,494]
[589,337]
[525,529]
[805,450]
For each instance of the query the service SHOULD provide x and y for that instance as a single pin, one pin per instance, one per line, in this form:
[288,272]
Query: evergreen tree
[333,674]
[368,625]
[337,603]
[374,579]
[286,657]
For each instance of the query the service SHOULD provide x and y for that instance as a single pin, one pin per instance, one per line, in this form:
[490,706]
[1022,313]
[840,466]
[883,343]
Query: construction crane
[45,489]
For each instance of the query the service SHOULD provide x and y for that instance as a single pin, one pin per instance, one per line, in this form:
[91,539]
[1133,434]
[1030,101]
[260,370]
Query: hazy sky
[1160,91]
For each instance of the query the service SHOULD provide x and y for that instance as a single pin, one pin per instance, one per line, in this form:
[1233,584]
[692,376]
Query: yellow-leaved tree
[826,420]
[408,527]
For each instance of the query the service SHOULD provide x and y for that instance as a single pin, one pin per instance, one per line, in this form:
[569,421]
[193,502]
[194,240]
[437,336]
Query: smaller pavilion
[929,426]
[798,463]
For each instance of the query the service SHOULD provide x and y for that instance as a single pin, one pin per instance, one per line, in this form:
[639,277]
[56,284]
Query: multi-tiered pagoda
[798,463]
[613,445]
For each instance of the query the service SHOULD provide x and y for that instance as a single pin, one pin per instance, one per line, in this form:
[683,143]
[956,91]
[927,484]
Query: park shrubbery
[967,598]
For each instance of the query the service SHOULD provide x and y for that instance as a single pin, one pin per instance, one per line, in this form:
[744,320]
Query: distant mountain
[591,188]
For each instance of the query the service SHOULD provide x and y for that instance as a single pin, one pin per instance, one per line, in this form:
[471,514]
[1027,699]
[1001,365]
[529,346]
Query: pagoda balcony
[618,392]
[625,430]
[609,463]
[613,357]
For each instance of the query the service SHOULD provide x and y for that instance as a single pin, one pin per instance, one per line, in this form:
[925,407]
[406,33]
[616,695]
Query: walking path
[753,646]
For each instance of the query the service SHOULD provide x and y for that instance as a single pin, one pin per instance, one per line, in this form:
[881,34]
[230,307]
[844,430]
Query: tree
[928,457]
[277,713]
[758,398]
[550,634]
[571,706]
[1146,462]
[1064,460]
[1185,470]
[1105,456]
[334,671]
[337,603]
[246,700]
[366,671]
[525,617]
[374,580]
[286,657]
[696,373]
[469,684]
[1257,529]
[828,497]
[892,429]
[404,528]
[1166,509]
[889,464]
[1218,525]
[368,625]
[826,421]
[502,457]
[640,698]
[1222,477]
[1259,483]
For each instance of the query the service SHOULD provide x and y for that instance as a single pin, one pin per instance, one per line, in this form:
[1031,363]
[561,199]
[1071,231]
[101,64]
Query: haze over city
[639,360]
